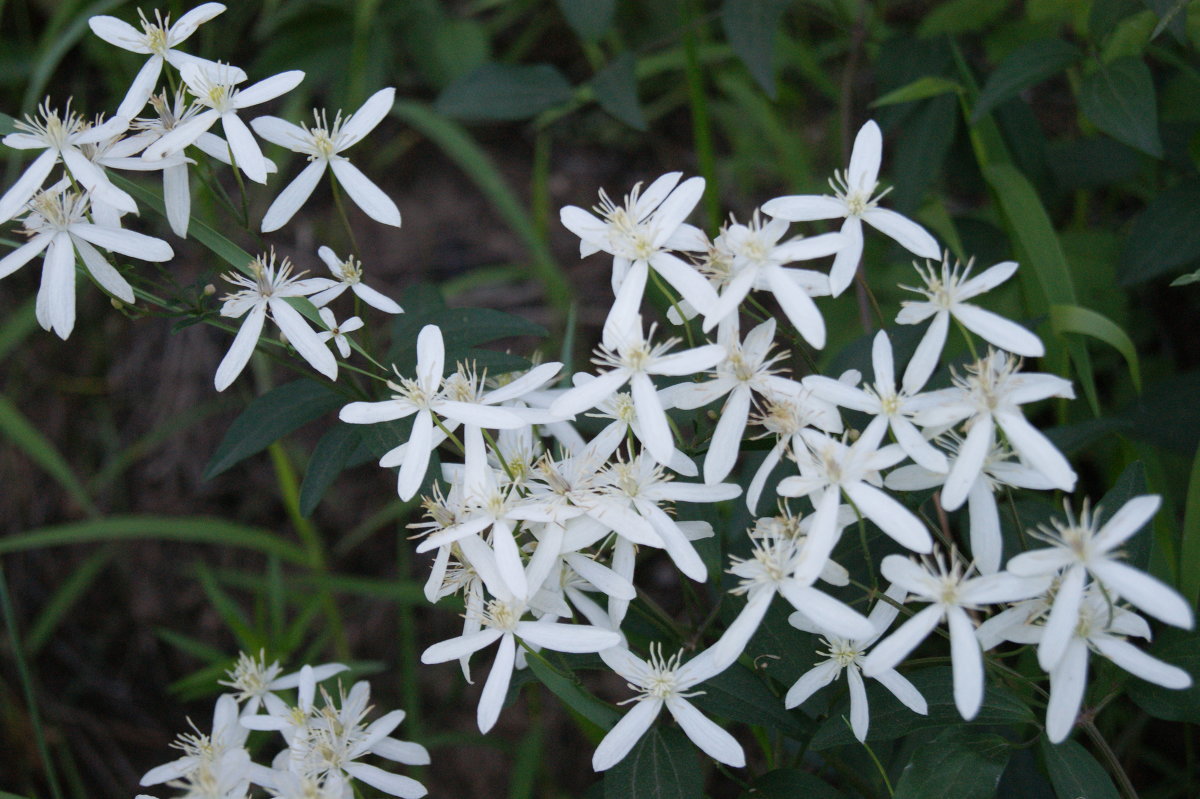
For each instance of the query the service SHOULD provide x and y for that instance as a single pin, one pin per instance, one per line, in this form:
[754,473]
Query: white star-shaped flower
[855,200]
[348,275]
[337,332]
[323,144]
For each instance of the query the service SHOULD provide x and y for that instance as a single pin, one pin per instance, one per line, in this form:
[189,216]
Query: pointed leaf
[960,763]
[1119,99]
[504,91]
[750,26]
[616,91]
[590,19]
[662,765]
[1031,63]
[1074,772]
[340,448]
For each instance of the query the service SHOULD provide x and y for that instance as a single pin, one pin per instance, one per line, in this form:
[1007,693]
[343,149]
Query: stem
[341,209]
[879,766]
[35,718]
[1110,757]
[670,295]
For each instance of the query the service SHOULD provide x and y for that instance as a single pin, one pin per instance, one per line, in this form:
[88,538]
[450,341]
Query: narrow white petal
[805,208]
[366,195]
[126,242]
[600,575]
[454,648]
[687,280]
[675,543]
[967,659]
[27,185]
[893,649]
[969,463]
[917,447]
[120,33]
[364,120]
[579,638]
[865,158]
[303,337]
[1004,333]
[860,714]
[822,537]
[281,132]
[431,358]
[726,442]
[801,311]
[181,136]
[845,264]
[24,254]
[987,544]
[406,752]
[906,232]
[1036,450]
[1148,594]
[675,208]
[828,613]
[1128,519]
[377,300]
[738,634]
[186,25]
[808,248]
[373,412]
[706,734]
[243,344]
[925,359]
[494,690]
[625,733]
[245,149]
[416,460]
[986,280]
[903,690]
[891,517]
[293,196]
[141,88]
[906,574]
[394,784]
[623,320]
[810,682]
[104,272]
[177,197]
[589,395]
[688,362]
[508,560]
[269,88]
[1138,663]
[1067,683]
[1064,617]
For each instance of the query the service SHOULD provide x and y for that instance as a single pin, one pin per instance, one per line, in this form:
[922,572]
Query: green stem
[1110,757]
[341,209]
[879,766]
[701,126]
[35,717]
[670,295]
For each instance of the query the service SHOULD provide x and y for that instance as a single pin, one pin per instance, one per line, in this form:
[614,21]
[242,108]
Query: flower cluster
[325,740]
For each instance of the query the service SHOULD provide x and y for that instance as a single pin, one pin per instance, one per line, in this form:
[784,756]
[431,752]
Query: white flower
[502,622]
[1077,549]
[884,401]
[855,199]
[323,144]
[348,274]
[216,88]
[633,359]
[58,224]
[157,40]
[621,409]
[990,396]
[664,681]
[61,136]
[756,260]
[950,592]
[828,468]
[253,679]
[338,332]
[216,759]
[947,294]
[843,654]
[267,290]
[638,235]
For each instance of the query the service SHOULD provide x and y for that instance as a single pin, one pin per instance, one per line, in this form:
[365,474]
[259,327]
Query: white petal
[810,682]
[1067,683]
[406,752]
[1064,617]
[181,136]
[366,195]
[987,544]
[376,300]
[967,659]
[845,264]
[454,648]
[373,412]
[27,185]
[925,359]
[906,232]
[808,248]
[269,88]
[726,442]
[969,463]
[431,358]
[364,120]
[24,254]
[1128,519]
[281,132]
[986,280]
[1138,663]
[578,638]
[893,649]
[1148,594]
[416,460]
[739,632]
[891,517]
[141,88]
[860,718]
[675,543]
[393,784]
[589,395]
[800,309]
[291,198]
[688,362]
[303,337]
[126,242]
[625,733]
[104,273]
[623,321]
[865,158]
[993,328]
[674,209]
[243,344]
[245,149]
[805,208]
[690,284]
[1036,450]
[828,613]
[706,734]
[903,690]
[177,197]
[917,447]
[494,690]
[186,25]
[122,34]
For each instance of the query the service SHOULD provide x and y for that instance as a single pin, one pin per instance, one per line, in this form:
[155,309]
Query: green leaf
[7,125]
[960,16]
[1170,18]
[1029,224]
[661,766]
[1075,773]
[1106,14]
[573,694]
[1030,63]
[194,529]
[64,599]
[790,783]
[590,19]
[750,26]
[1073,319]
[1179,648]
[616,91]
[1119,99]
[960,763]
[339,449]
[271,417]
[919,89]
[504,91]
[738,694]
[22,434]
[891,720]
[1164,237]
[1189,550]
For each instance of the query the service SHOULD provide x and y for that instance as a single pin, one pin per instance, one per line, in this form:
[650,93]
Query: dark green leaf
[1168,413]
[750,27]
[271,417]
[738,694]
[1171,17]
[1031,63]
[790,783]
[960,763]
[616,91]
[890,719]
[920,89]
[1119,99]
[340,448]
[1179,648]
[778,649]
[1091,163]
[960,16]
[1106,14]
[6,125]
[573,694]
[504,91]
[590,19]
[1022,778]
[1075,773]
[922,145]
[1165,236]
[661,766]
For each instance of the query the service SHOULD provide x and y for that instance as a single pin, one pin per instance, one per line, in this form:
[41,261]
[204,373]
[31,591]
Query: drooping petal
[860,714]
[967,660]
[917,447]
[27,185]
[904,231]
[893,649]
[1138,663]
[24,254]
[394,784]
[55,307]
[625,733]
[724,448]
[845,264]
[1067,683]
[801,311]
[903,690]
[293,196]
[376,300]
[1064,617]
[182,135]
[1036,450]
[494,690]
[303,337]
[1148,594]
[245,149]
[969,463]
[690,284]
[987,544]
[830,614]
[416,460]
[590,394]
[177,197]
[925,359]
[366,195]
[104,272]
[706,733]
[810,682]
[243,345]
[891,517]
[1004,333]
[733,641]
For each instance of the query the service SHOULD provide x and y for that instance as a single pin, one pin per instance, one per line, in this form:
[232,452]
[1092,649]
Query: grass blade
[17,429]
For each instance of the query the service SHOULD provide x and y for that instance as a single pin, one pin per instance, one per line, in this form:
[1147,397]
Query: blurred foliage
[1062,133]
